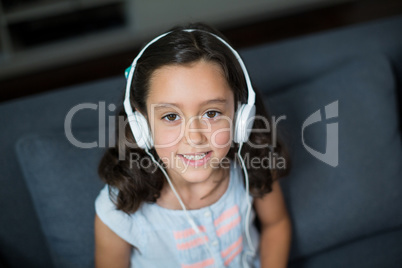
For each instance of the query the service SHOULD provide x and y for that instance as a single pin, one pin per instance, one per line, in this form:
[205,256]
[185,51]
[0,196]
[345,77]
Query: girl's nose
[195,131]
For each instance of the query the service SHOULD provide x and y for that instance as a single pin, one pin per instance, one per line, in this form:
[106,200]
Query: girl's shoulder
[127,226]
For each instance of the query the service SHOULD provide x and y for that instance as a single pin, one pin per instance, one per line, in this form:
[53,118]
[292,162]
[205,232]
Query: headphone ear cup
[244,122]
[141,131]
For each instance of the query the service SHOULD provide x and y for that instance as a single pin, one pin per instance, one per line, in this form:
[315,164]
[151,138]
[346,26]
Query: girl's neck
[195,195]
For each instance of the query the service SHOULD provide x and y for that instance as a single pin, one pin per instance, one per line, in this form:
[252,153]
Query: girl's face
[190,110]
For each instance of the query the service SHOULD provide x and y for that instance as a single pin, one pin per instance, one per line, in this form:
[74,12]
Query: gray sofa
[345,199]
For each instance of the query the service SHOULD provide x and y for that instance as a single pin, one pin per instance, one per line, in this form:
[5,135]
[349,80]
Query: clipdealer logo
[330,156]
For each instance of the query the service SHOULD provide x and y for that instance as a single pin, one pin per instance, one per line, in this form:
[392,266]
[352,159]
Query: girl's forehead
[196,84]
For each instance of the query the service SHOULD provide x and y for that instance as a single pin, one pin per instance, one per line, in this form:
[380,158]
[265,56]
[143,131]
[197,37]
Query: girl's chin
[199,171]
[195,175]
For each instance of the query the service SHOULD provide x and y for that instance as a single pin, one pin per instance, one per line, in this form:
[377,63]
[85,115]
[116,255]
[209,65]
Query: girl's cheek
[167,137]
[222,139]
[221,136]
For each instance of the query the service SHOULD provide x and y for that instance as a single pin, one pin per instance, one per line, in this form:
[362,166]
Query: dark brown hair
[135,184]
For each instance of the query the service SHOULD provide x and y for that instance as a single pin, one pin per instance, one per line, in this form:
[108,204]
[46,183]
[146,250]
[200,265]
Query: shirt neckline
[200,210]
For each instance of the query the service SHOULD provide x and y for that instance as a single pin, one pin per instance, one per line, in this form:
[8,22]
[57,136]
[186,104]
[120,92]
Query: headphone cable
[189,218]
[247,220]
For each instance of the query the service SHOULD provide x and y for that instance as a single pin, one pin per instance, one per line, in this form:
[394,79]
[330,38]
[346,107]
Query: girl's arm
[275,228]
[110,249]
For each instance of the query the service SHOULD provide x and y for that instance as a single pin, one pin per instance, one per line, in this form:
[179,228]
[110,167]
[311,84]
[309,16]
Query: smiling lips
[194,156]
[196,159]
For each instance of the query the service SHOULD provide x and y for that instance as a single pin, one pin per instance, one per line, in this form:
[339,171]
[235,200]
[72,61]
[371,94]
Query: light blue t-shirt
[164,237]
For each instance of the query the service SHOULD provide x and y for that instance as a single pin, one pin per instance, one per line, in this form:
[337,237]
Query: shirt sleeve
[118,221]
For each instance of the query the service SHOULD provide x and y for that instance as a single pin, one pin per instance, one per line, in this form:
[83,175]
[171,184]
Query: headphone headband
[129,72]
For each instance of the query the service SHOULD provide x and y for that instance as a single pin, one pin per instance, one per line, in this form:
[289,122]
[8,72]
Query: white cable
[189,218]
[246,226]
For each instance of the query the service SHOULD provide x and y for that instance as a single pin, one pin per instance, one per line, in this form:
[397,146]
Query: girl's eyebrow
[160,106]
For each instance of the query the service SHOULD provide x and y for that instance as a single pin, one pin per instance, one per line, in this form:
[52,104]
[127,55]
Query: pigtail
[130,171]
[274,161]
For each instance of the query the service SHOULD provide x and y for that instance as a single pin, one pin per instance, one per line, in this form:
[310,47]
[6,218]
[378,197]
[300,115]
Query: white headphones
[244,117]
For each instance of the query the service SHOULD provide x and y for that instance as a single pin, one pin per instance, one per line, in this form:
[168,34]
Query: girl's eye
[212,114]
[171,117]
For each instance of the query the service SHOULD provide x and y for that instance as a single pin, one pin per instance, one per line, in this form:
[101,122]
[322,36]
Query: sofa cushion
[379,250]
[63,182]
[358,192]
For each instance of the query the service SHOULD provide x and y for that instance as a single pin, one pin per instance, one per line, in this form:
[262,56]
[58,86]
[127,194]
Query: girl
[175,193]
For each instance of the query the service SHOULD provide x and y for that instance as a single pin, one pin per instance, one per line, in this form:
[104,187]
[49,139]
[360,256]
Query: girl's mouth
[196,159]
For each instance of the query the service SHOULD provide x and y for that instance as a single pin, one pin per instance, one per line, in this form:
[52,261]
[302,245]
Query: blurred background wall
[48,44]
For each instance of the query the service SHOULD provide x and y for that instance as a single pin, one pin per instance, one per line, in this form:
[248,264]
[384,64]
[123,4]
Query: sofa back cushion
[63,182]
[349,185]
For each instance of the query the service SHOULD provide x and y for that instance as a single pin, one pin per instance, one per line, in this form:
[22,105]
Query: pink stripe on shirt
[193,243]
[186,233]
[201,264]
[227,214]
[237,252]
[232,247]
[226,228]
